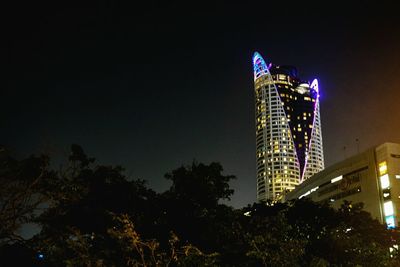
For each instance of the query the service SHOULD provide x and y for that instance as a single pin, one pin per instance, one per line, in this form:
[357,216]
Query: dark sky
[154,86]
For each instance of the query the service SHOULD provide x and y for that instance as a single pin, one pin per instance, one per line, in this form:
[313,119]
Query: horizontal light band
[334,180]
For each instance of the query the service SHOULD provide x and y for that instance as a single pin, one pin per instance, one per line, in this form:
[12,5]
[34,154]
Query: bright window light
[334,180]
[385,181]
[388,208]
[390,221]
[382,168]
[397,176]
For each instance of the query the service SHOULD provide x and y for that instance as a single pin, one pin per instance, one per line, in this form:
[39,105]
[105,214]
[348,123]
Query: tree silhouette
[23,186]
[95,216]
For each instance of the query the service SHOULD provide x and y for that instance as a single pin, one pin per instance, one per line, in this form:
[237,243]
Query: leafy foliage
[96,216]
[23,187]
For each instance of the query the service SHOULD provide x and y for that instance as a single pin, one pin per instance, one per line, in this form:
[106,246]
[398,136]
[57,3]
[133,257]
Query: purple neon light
[259,66]
[314,85]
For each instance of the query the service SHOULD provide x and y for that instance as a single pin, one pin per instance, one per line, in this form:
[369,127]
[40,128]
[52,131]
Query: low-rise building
[371,178]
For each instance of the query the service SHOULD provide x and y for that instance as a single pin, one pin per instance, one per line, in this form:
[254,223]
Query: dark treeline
[93,215]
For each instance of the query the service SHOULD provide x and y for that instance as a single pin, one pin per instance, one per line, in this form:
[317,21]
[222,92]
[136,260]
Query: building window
[390,222]
[388,208]
[382,168]
[385,183]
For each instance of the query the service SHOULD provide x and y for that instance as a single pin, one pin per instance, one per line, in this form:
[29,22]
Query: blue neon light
[259,65]
[390,222]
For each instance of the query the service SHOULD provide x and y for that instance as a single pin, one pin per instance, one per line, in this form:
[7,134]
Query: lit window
[390,221]
[382,168]
[397,176]
[385,183]
[388,208]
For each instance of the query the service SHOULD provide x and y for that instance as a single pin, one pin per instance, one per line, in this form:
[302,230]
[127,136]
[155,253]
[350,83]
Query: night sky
[155,86]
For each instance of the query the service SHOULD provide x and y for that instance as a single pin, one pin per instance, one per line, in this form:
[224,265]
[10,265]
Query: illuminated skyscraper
[288,129]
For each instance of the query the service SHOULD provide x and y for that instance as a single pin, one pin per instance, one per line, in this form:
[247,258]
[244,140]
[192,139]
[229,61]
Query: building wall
[359,179]
[288,129]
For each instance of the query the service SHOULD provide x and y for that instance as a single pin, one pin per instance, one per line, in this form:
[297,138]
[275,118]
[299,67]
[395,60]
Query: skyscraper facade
[288,129]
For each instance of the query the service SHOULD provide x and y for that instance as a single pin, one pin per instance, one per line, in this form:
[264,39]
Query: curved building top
[261,68]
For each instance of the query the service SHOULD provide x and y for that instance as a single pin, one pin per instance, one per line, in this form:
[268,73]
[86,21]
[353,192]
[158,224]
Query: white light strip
[305,194]
[314,189]
[309,192]
[334,180]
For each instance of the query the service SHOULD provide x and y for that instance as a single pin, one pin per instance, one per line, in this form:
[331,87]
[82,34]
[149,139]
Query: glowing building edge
[288,129]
